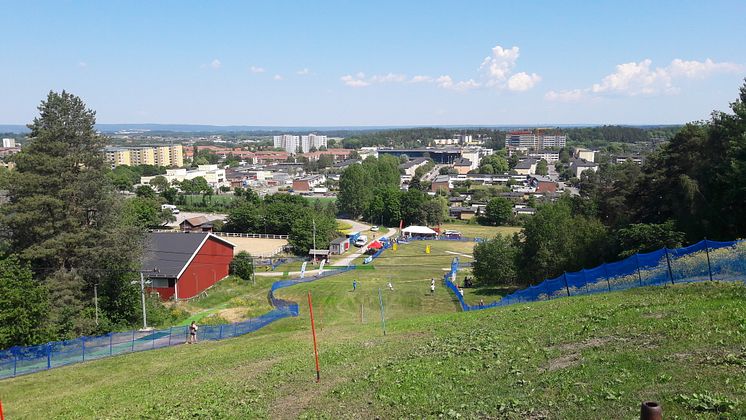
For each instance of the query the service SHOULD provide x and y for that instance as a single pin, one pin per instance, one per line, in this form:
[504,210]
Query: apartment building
[9,143]
[145,155]
[292,144]
[536,140]
[214,176]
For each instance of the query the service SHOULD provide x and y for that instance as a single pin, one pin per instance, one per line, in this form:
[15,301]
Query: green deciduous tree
[495,262]
[647,237]
[499,211]
[242,265]
[23,305]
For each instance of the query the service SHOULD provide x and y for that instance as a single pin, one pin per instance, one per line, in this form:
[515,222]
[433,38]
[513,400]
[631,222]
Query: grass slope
[583,357]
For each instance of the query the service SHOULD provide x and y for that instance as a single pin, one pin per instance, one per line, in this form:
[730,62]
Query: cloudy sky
[375,63]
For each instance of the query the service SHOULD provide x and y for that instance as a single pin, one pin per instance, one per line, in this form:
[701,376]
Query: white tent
[418,231]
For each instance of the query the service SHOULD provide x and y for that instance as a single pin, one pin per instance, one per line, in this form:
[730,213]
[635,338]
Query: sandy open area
[256,247]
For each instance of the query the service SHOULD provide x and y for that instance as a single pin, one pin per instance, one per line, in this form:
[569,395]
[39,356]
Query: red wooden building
[182,265]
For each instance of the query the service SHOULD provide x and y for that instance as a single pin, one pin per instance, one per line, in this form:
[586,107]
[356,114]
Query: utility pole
[314,240]
[142,293]
[95,300]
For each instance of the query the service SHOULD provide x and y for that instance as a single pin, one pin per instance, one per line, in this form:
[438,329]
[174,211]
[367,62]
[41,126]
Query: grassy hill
[585,357]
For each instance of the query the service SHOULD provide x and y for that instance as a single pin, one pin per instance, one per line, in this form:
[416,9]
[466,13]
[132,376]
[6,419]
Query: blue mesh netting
[705,260]
[22,360]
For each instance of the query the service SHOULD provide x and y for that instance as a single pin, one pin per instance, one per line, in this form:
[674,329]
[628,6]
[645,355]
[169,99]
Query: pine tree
[65,216]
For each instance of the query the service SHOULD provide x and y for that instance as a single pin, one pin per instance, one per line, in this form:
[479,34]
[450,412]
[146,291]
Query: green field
[478,231]
[583,357]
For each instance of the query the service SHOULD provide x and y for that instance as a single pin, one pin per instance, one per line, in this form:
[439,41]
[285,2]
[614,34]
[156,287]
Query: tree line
[371,190]
[284,214]
[689,189]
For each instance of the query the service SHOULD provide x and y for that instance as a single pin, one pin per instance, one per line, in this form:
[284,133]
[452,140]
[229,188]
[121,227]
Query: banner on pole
[321,267]
[303,269]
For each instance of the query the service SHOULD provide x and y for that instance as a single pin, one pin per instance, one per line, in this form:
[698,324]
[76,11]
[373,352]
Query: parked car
[374,228]
[361,241]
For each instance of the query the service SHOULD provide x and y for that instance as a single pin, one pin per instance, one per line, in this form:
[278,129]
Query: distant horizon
[214,128]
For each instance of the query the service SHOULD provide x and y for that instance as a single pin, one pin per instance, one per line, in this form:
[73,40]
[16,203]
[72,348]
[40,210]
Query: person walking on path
[354,285]
[193,333]
[432,288]
[391,287]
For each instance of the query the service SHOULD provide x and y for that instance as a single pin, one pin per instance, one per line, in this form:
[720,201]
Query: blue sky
[375,63]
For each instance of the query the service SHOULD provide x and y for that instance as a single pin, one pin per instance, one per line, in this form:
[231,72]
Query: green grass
[479,231]
[583,357]
[231,292]
[322,200]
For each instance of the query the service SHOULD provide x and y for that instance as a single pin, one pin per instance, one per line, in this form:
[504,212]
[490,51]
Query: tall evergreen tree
[64,215]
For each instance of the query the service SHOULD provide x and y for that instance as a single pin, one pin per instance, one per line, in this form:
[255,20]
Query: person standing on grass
[432,288]
[354,285]
[391,287]
[193,333]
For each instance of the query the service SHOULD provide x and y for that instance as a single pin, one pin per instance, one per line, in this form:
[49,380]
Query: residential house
[196,224]
[526,167]
[578,166]
[309,183]
[462,165]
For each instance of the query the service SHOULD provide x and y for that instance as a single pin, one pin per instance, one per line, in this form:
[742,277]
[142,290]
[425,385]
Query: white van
[171,207]
[361,240]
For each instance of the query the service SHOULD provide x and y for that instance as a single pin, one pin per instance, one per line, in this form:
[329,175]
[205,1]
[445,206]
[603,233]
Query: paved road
[356,226]
[346,260]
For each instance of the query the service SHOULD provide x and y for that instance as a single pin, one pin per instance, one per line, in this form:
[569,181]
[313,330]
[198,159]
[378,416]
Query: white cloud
[446,82]
[701,69]
[421,79]
[256,69]
[277,77]
[388,78]
[82,64]
[641,78]
[573,95]
[354,81]
[216,64]
[303,72]
[522,81]
[499,66]
[496,69]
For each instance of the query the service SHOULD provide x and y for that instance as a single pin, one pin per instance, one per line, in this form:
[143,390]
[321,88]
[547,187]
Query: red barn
[182,265]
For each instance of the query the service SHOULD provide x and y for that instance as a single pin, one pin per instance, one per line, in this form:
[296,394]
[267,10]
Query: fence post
[133,340]
[709,267]
[170,332]
[585,280]
[668,260]
[606,274]
[639,276]
[49,356]
[221,332]
[83,340]
[111,347]
[567,288]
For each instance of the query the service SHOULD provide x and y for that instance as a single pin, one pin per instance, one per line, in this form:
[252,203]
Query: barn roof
[169,253]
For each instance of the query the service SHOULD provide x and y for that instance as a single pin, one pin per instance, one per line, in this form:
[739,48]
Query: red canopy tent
[375,245]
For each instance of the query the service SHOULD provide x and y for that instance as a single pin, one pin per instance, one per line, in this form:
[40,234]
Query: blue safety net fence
[23,360]
[704,261]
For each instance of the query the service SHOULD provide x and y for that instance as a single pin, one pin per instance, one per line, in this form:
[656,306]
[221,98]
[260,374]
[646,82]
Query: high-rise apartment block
[146,155]
[534,140]
[9,142]
[304,144]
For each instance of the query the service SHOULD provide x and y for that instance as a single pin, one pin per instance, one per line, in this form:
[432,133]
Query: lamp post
[142,294]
